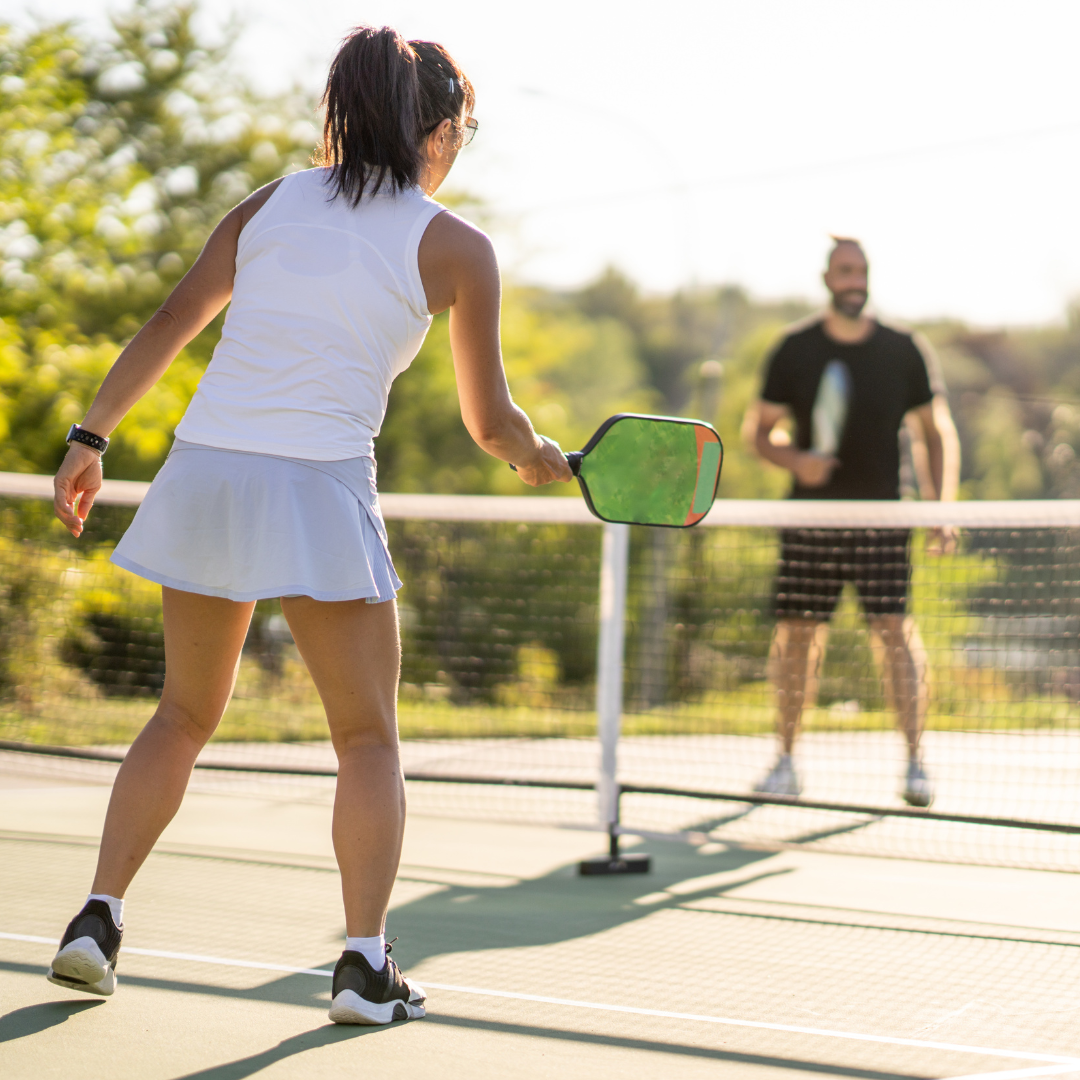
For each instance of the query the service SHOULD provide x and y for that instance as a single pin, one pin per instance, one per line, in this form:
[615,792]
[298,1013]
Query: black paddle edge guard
[579,785]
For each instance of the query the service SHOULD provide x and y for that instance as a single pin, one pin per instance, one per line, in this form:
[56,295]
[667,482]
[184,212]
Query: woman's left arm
[203,291]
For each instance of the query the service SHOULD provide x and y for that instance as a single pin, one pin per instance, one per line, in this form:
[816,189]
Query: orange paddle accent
[704,435]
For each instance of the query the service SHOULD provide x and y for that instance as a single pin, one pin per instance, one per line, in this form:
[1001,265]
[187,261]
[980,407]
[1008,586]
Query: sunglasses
[468,130]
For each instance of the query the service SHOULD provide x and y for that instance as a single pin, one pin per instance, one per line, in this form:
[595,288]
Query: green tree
[118,158]
[567,371]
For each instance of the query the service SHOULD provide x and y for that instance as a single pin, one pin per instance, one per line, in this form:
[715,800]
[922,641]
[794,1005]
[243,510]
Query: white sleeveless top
[327,310]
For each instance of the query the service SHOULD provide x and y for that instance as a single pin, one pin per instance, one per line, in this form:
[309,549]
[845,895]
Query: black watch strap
[87,438]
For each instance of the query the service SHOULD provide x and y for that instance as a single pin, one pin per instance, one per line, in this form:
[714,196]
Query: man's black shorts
[815,563]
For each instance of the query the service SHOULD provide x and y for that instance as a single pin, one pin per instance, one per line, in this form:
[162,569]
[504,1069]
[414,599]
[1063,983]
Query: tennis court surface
[800,962]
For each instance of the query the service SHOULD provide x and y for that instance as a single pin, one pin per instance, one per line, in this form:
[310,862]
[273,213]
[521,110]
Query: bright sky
[708,141]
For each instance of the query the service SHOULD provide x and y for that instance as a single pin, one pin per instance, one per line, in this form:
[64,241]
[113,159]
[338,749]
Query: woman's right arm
[203,291]
[459,271]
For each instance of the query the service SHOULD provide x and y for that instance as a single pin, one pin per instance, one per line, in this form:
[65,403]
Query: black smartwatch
[87,438]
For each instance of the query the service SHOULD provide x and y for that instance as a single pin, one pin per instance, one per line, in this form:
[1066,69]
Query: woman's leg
[203,639]
[351,649]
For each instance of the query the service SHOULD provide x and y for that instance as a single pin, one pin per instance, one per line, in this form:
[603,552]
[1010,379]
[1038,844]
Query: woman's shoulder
[454,253]
[257,200]
[447,232]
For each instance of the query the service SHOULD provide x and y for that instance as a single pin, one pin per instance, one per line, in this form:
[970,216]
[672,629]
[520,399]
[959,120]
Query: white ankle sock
[116,906]
[373,949]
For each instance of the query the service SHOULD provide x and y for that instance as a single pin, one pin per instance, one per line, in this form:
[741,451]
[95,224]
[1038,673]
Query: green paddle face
[651,470]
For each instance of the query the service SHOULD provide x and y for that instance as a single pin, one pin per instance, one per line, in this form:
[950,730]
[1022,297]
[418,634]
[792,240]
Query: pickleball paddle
[649,470]
[828,418]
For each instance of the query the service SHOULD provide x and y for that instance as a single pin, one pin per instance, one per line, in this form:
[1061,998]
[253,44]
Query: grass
[289,711]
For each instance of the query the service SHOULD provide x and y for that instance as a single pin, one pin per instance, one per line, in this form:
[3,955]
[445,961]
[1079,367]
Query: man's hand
[942,540]
[813,470]
[76,486]
[810,469]
[548,465]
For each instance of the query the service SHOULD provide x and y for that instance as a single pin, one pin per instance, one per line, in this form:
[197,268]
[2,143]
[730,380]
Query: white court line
[1016,1074]
[220,961]
[1061,1064]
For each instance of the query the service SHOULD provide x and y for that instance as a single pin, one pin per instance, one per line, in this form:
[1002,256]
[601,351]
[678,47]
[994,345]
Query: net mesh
[499,625]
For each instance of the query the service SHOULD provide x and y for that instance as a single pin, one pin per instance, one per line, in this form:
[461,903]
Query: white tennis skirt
[253,526]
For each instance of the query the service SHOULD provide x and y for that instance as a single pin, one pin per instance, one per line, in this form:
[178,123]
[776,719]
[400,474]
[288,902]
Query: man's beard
[850,303]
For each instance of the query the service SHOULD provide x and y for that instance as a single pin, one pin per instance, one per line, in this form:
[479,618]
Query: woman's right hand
[548,465]
[76,486]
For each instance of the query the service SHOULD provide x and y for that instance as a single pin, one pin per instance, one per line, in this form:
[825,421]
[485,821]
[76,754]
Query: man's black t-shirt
[888,377]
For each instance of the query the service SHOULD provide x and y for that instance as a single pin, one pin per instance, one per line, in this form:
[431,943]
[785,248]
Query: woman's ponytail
[371,135]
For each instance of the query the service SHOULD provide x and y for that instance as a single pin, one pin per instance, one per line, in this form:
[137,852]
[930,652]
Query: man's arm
[935,449]
[810,469]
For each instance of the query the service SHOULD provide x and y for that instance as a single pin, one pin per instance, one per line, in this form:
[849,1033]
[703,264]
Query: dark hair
[445,90]
[383,96]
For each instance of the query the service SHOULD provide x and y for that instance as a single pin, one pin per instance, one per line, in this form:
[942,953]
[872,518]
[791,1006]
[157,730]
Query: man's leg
[809,578]
[203,639]
[795,660]
[794,667]
[902,656]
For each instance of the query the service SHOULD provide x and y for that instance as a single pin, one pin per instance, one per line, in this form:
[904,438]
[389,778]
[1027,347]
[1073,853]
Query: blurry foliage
[117,158]
[566,370]
[516,628]
[674,335]
[115,633]
[1016,398]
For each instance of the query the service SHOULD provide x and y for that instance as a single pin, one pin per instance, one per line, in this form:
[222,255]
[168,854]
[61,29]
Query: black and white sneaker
[364,996]
[87,957]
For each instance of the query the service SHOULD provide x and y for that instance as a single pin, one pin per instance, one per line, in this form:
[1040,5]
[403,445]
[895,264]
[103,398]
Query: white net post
[609,674]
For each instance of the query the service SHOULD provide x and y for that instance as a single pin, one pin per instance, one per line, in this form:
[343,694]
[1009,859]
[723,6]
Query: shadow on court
[331,1034]
[656,1046]
[327,1035]
[37,1018]
[465,920]
[306,990]
[560,906]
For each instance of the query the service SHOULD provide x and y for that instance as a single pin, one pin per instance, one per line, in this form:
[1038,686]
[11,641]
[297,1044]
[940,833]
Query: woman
[333,275]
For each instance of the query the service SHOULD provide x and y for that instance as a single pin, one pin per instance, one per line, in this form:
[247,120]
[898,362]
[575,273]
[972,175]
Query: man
[890,379]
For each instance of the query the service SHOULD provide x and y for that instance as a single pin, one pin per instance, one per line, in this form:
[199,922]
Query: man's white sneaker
[782,780]
[918,791]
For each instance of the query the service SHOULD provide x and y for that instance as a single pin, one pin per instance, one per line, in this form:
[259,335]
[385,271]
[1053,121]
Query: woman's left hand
[76,485]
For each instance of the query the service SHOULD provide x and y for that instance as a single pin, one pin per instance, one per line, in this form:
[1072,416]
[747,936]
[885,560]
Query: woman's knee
[194,725]
[372,729]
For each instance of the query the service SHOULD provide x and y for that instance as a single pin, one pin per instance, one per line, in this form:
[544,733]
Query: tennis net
[551,664]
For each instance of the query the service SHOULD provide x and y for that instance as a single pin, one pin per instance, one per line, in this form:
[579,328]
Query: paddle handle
[573,459]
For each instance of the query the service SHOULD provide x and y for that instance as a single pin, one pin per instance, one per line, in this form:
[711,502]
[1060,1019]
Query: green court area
[726,960]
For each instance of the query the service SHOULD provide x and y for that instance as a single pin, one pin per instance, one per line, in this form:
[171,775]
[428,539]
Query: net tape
[805,513]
